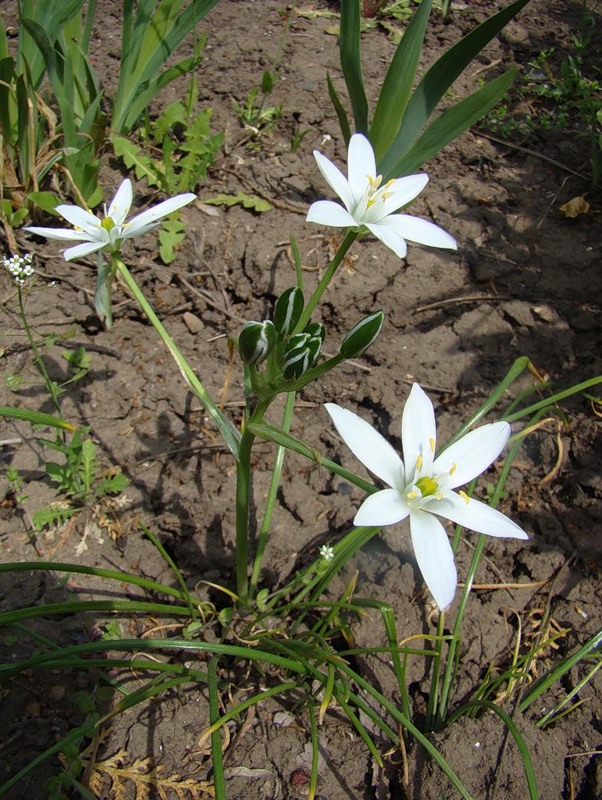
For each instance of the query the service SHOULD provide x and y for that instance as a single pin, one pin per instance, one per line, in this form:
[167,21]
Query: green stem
[435,675]
[50,384]
[243,486]
[243,495]
[272,495]
[326,278]
[230,434]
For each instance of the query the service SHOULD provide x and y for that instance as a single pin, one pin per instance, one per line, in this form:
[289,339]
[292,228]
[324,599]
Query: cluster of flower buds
[19,267]
[291,353]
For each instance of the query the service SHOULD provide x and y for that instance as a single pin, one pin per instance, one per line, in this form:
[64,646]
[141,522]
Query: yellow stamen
[454,467]
[440,496]
[464,497]
[432,444]
[412,495]
[419,462]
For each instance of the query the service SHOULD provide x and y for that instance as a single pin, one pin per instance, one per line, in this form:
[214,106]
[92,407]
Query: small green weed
[253,113]
[174,153]
[561,97]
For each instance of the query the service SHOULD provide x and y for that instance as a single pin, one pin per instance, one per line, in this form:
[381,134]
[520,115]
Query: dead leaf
[575,207]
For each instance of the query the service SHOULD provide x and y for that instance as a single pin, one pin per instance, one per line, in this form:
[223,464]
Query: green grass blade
[163,645]
[115,575]
[516,735]
[556,673]
[439,78]
[555,398]
[349,46]
[219,782]
[450,125]
[398,83]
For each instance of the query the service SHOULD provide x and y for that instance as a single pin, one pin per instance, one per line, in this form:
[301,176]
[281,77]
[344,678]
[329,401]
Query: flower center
[107,223]
[376,194]
[428,486]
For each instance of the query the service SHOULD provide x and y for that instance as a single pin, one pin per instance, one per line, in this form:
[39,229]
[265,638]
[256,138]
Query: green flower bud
[300,355]
[256,341]
[362,335]
[296,341]
[316,329]
[289,308]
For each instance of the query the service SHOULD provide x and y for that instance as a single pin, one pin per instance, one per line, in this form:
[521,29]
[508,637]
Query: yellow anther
[453,468]
[464,497]
[412,495]
[432,444]
[440,496]
[418,462]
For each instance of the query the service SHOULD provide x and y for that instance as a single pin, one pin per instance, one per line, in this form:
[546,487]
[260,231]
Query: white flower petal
[420,231]
[325,212]
[81,250]
[60,234]
[367,445]
[79,217]
[126,232]
[476,516]
[402,191]
[335,179]
[388,237]
[156,212]
[418,431]
[381,508]
[361,164]
[473,453]
[122,202]
[434,556]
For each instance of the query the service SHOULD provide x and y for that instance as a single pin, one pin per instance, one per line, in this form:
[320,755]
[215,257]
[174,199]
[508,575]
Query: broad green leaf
[349,46]
[451,124]
[398,83]
[171,236]
[134,158]
[437,81]
[248,201]
[47,201]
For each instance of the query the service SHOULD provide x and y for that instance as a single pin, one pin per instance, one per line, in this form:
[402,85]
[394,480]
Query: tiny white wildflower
[327,552]
[19,267]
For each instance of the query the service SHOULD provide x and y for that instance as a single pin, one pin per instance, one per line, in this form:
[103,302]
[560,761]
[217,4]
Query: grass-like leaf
[398,83]
[437,81]
[349,45]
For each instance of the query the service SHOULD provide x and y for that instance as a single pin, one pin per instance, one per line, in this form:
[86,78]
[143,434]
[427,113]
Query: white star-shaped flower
[422,485]
[109,232]
[370,206]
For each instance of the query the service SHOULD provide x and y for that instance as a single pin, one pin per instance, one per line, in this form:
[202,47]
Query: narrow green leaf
[349,47]
[439,78]
[36,418]
[398,83]
[451,124]
[341,113]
